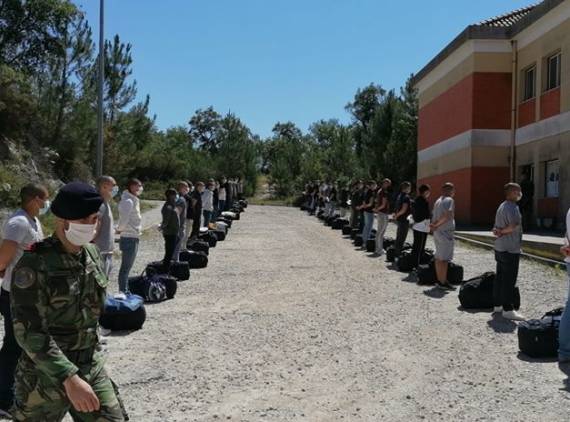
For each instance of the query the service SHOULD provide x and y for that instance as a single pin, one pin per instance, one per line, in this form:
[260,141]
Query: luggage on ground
[339,223]
[178,270]
[346,230]
[388,241]
[150,287]
[198,246]
[538,338]
[454,273]
[123,314]
[358,240]
[406,262]
[391,254]
[426,274]
[194,259]
[226,221]
[220,235]
[210,238]
[230,215]
[477,293]
[371,245]
[354,233]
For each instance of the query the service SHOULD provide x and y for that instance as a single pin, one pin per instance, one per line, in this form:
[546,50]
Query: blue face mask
[45,208]
[115,191]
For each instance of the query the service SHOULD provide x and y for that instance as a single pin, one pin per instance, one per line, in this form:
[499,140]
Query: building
[494,104]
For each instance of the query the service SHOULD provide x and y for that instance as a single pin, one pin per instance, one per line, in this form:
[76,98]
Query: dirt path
[291,323]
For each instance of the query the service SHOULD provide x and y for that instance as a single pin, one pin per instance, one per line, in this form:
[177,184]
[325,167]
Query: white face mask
[519,197]
[140,190]
[115,191]
[80,234]
[45,208]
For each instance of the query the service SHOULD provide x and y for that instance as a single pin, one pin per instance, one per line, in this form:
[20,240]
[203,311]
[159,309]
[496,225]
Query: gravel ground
[290,323]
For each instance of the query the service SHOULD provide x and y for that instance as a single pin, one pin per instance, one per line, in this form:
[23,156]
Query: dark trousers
[207,217]
[170,242]
[9,354]
[419,246]
[196,225]
[360,221]
[401,235]
[506,280]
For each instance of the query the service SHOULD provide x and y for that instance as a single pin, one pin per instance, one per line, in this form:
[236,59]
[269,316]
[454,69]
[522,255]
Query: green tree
[204,127]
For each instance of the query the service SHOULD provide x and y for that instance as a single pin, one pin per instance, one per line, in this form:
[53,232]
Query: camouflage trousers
[37,398]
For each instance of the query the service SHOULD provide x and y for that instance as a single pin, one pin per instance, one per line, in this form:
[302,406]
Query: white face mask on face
[45,208]
[80,234]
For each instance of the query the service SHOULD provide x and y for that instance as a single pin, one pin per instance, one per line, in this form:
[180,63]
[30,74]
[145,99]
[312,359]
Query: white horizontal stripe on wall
[544,25]
[544,129]
[470,139]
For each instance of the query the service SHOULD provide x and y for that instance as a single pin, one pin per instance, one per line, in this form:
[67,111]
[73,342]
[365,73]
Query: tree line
[48,102]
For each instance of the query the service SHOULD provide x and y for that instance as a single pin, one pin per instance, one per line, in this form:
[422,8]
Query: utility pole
[100,84]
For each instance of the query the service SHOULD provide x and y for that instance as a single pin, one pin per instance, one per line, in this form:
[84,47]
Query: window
[552,177]
[553,71]
[529,83]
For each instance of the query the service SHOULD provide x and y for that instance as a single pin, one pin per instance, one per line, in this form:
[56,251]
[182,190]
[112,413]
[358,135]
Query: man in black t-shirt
[403,210]
[196,198]
[355,202]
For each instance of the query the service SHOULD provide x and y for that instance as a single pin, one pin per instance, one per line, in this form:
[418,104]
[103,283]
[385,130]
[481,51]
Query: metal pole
[100,82]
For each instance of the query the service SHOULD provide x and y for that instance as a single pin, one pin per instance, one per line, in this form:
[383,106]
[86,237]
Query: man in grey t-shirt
[105,236]
[443,227]
[508,232]
[21,231]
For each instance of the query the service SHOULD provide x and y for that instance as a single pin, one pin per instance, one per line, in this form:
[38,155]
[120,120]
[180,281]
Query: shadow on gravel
[411,278]
[502,325]
[565,369]
[474,311]
[435,293]
[525,358]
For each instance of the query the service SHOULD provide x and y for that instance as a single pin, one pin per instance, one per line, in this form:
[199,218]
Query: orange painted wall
[479,191]
[550,103]
[480,101]
[527,112]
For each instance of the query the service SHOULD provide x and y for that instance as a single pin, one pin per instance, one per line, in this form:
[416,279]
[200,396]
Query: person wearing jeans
[382,209]
[367,208]
[564,329]
[508,233]
[401,216]
[105,237]
[129,229]
[20,232]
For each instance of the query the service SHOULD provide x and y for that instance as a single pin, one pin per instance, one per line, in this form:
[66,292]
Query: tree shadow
[435,293]
[501,325]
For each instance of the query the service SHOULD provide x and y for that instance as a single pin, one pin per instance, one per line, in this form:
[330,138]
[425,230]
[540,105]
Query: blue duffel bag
[123,314]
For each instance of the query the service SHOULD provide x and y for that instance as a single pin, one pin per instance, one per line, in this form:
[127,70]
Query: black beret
[75,201]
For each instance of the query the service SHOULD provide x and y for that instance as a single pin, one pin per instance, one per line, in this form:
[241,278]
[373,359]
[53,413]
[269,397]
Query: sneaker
[104,331]
[513,316]
[445,286]
[498,310]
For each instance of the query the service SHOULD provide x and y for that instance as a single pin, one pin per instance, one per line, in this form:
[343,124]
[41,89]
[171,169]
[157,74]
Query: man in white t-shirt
[564,329]
[21,231]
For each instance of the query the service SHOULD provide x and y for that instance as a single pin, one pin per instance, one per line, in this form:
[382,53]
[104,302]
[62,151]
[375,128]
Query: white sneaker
[104,331]
[513,316]
[498,310]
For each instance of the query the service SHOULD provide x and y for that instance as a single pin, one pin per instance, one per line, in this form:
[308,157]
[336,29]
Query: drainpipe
[514,114]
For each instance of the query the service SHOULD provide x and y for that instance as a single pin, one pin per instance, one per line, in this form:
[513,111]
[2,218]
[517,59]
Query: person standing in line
[367,208]
[222,195]
[229,195]
[208,204]
[240,188]
[343,196]
[564,328]
[197,207]
[182,207]
[422,218]
[129,230]
[215,199]
[403,210]
[508,242]
[443,228]
[190,204]
[383,211]
[526,202]
[333,199]
[355,203]
[22,230]
[170,226]
[105,235]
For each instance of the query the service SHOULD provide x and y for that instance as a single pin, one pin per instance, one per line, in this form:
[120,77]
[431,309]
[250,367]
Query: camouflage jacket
[56,301]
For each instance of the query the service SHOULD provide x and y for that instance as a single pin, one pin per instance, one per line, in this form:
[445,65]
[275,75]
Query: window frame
[525,72]
[546,176]
[558,56]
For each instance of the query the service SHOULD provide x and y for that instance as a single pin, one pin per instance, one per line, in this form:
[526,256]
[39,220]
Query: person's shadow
[435,293]
[501,325]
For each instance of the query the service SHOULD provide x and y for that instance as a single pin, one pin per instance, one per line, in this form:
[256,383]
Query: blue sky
[279,60]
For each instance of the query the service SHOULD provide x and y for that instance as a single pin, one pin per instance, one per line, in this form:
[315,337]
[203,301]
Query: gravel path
[291,323]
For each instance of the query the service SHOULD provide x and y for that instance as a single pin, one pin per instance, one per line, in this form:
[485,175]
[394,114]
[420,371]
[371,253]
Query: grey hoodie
[130,220]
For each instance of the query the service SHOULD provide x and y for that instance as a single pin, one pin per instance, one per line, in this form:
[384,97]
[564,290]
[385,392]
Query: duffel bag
[220,235]
[198,246]
[538,338]
[454,273]
[391,254]
[426,274]
[230,215]
[226,221]
[358,240]
[406,262]
[149,287]
[210,238]
[371,245]
[237,213]
[123,314]
[388,241]
[339,223]
[243,203]
[220,225]
[194,259]
[178,270]
[427,257]
[346,230]
[477,293]
[354,233]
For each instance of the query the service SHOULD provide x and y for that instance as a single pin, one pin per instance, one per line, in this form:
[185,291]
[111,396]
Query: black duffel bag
[339,223]
[123,314]
[194,259]
[354,233]
[477,292]
[198,246]
[228,221]
[178,270]
[388,241]
[426,274]
[391,254]
[454,273]
[209,237]
[406,262]
[150,287]
[371,245]
[538,338]
[358,240]
[346,230]
[169,282]
[243,203]
[220,235]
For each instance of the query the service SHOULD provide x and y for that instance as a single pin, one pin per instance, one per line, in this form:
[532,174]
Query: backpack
[538,338]
[477,293]
[123,314]
[194,259]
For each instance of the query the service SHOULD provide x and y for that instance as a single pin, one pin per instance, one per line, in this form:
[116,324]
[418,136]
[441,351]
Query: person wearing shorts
[443,228]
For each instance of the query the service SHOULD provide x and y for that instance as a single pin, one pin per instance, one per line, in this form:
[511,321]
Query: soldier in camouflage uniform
[58,293]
